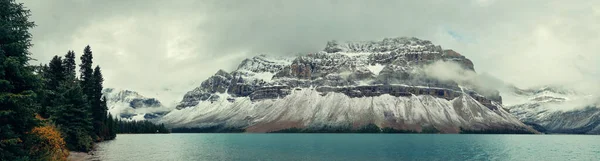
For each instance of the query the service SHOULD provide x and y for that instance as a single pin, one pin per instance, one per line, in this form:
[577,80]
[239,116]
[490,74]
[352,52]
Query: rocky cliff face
[347,84]
[556,110]
[126,104]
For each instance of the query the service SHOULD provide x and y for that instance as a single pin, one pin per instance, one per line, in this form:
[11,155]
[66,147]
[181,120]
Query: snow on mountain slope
[555,109]
[350,84]
[307,107]
[130,105]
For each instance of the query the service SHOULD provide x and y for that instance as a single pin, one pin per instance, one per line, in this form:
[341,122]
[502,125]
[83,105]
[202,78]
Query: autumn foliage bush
[49,144]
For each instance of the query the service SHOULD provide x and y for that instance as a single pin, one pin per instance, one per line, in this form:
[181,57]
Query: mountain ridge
[379,71]
[556,109]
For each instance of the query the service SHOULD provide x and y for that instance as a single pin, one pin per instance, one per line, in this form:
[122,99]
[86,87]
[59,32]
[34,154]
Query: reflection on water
[349,147]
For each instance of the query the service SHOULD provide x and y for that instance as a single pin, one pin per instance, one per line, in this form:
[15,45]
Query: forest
[140,127]
[49,109]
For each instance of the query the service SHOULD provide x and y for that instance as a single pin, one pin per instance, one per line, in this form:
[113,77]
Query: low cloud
[151,45]
[581,95]
[452,71]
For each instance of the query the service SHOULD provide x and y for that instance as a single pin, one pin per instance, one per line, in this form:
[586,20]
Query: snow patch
[266,76]
[355,54]
[375,69]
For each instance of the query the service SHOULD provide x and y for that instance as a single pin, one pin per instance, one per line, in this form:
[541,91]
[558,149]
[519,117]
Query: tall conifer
[17,82]
[69,65]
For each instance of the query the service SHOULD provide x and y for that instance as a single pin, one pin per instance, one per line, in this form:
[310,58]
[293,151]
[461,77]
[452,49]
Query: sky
[166,48]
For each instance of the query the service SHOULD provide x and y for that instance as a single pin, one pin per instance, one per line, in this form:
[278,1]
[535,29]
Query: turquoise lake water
[345,147]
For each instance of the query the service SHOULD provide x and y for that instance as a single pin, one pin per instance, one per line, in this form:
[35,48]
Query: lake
[344,147]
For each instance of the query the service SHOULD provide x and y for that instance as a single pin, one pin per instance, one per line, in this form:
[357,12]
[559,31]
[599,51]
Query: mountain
[352,86]
[554,109]
[130,105]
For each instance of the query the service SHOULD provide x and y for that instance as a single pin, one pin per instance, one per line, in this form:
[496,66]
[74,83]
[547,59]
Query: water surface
[346,147]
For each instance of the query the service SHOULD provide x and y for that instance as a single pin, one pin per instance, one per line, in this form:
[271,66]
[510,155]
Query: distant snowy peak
[555,109]
[130,105]
[556,90]
[539,95]
[135,99]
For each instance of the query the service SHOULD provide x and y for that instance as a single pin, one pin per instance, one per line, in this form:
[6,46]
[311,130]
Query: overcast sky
[151,45]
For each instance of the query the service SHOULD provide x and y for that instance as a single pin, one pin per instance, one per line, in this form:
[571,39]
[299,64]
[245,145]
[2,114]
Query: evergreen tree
[73,117]
[98,107]
[42,92]
[52,76]
[69,65]
[116,126]
[86,71]
[111,127]
[86,78]
[17,82]
[68,106]
[39,69]
[110,124]
[55,73]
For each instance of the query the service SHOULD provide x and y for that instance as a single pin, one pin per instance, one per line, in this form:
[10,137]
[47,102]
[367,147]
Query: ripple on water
[349,147]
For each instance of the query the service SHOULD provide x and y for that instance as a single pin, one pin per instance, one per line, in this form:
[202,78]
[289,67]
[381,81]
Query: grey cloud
[150,45]
[451,71]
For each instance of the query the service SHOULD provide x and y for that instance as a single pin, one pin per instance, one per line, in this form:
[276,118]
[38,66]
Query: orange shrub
[51,145]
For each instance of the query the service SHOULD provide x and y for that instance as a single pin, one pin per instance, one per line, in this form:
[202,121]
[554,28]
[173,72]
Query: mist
[451,71]
[163,49]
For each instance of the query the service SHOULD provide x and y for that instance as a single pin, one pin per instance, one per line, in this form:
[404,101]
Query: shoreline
[83,156]
[80,156]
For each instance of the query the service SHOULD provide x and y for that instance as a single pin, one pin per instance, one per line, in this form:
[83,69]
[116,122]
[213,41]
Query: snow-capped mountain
[347,85]
[130,105]
[554,109]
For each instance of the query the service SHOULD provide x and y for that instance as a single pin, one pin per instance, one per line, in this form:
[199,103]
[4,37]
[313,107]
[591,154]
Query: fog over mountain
[165,48]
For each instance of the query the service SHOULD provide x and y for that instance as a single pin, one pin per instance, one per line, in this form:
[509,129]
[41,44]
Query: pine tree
[86,77]
[98,112]
[98,109]
[53,76]
[116,126]
[111,126]
[68,106]
[86,71]
[140,127]
[56,73]
[69,65]
[73,117]
[17,82]
[86,66]
[43,93]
